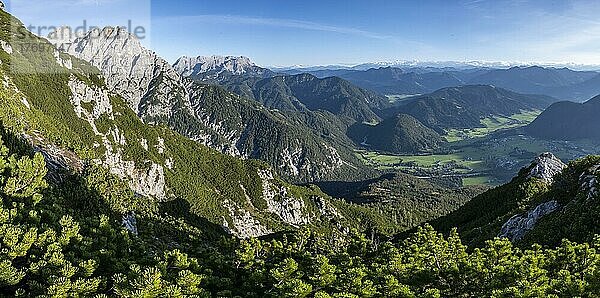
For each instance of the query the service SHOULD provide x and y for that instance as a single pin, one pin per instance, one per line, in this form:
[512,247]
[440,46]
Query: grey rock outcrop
[242,223]
[130,69]
[289,209]
[213,67]
[545,167]
[516,227]
[588,182]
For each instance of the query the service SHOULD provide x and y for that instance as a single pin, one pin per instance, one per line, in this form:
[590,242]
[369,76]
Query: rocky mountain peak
[130,69]
[217,65]
[545,167]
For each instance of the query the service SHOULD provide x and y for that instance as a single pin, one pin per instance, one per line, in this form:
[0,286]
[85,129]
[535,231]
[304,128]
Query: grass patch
[479,180]
[492,124]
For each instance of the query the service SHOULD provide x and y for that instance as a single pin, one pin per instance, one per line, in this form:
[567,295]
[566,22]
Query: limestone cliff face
[215,68]
[130,70]
[546,166]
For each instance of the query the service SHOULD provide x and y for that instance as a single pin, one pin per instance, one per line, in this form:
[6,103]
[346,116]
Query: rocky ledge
[545,167]
[516,227]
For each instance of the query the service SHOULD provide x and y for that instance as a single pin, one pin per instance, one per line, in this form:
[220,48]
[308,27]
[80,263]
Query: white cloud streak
[282,23]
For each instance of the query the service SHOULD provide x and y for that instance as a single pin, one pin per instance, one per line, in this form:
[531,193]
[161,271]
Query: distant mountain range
[302,92]
[561,83]
[568,121]
[404,64]
[217,68]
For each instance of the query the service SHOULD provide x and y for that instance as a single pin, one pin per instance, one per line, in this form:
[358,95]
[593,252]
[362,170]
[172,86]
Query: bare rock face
[130,69]
[243,224]
[215,66]
[516,227]
[289,209]
[588,182]
[546,166]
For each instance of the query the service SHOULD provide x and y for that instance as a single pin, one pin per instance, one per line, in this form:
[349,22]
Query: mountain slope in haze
[400,134]
[397,81]
[562,83]
[466,106]
[215,117]
[547,202]
[568,121]
[580,91]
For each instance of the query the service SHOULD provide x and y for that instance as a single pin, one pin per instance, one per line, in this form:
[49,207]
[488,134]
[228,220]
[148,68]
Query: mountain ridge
[568,121]
[465,106]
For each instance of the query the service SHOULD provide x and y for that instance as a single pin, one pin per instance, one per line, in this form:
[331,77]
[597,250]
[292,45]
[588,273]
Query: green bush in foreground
[49,246]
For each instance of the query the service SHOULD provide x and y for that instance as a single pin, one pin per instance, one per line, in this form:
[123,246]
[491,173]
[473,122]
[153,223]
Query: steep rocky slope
[214,117]
[67,112]
[547,202]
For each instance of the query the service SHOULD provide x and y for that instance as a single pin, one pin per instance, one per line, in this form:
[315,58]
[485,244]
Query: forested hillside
[466,106]
[57,246]
[568,121]
[306,92]
[400,134]
[547,202]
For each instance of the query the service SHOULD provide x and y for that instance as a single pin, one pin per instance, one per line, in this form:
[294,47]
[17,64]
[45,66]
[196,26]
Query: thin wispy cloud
[282,23]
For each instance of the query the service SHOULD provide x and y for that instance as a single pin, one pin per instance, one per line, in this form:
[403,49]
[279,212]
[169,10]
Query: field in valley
[491,125]
[489,160]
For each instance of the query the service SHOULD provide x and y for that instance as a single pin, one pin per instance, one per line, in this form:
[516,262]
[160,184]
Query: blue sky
[318,32]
